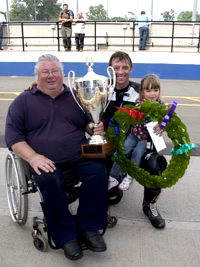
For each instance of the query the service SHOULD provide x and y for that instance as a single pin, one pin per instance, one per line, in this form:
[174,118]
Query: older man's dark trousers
[93,199]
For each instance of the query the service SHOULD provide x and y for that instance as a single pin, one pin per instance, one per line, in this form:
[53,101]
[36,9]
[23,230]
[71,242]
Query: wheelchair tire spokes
[14,195]
[16,185]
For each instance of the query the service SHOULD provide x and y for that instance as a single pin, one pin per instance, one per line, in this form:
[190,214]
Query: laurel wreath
[176,131]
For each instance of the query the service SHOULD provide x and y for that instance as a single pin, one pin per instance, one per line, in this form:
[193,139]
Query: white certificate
[158,141]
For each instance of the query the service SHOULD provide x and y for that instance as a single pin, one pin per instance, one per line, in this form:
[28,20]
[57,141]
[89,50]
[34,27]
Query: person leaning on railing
[144,30]
[2,21]
[66,18]
[79,31]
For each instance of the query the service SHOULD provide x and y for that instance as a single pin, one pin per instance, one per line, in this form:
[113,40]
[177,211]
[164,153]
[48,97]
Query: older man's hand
[39,162]
[99,129]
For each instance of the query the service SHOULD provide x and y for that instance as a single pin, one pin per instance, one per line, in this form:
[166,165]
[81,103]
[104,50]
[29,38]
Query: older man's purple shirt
[54,128]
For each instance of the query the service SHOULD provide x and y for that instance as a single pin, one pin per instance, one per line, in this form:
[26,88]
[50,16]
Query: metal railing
[173,34]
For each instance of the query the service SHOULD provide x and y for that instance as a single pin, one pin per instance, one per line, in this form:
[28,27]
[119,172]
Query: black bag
[70,185]
[154,163]
[114,195]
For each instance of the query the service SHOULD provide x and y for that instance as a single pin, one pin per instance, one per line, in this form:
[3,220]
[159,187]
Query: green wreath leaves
[176,131]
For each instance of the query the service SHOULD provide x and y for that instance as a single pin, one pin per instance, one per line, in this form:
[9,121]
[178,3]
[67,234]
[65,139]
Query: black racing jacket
[119,98]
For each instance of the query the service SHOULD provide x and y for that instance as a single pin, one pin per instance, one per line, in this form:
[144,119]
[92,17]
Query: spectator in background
[2,21]
[66,18]
[144,30]
[72,13]
[79,31]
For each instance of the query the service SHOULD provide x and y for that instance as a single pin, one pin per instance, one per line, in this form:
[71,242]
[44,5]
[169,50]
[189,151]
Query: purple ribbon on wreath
[169,115]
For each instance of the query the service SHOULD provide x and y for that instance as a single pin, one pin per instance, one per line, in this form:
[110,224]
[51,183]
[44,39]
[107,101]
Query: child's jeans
[131,144]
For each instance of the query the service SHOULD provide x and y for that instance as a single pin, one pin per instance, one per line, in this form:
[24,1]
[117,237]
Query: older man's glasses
[48,72]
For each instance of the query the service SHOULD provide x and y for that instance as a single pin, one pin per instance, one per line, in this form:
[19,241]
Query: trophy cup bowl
[92,92]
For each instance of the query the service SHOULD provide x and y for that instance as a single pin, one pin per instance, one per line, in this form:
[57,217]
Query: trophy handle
[109,69]
[71,87]
[69,78]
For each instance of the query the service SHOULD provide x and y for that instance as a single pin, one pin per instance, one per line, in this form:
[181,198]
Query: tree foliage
[28,10]
[97,13]
[118,19]
[4,13]
[187,16]
[169,15]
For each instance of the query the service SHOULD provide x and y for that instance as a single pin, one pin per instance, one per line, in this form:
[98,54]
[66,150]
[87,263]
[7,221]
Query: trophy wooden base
[97,151]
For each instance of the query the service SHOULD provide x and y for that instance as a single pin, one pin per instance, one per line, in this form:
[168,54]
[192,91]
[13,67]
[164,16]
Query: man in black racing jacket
[126,92]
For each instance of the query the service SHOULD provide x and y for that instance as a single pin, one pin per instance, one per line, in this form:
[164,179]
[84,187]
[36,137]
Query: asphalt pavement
[133,241]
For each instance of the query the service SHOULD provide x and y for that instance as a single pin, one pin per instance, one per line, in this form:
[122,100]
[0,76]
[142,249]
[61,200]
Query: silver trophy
[92,91]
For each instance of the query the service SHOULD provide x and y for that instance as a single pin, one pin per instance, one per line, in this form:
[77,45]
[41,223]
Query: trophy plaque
[92,91]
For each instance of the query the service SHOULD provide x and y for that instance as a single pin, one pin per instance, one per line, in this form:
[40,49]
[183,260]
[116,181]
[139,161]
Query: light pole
[107,9]
[151,9]
[194,13]
[35,8]
[8,19]
[7,11]
[136,10]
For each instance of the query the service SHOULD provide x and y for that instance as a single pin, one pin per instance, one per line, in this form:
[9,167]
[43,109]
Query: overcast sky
[121,10]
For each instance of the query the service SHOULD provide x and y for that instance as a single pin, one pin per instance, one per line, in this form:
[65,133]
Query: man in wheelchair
[127,92]
[46,128]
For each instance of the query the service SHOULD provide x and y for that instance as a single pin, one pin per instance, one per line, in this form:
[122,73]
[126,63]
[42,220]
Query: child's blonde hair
[149,81]
[79,15]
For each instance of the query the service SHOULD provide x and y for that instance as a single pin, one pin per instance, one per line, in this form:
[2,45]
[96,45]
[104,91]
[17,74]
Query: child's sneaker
[112,184]
[125,184]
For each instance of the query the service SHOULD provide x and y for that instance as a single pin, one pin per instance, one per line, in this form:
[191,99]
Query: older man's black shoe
[72,250]
[94,241]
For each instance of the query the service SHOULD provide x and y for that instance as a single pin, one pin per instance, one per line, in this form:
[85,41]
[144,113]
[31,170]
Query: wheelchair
[19,184]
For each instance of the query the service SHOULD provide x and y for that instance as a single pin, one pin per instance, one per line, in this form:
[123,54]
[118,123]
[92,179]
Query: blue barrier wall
[182,66]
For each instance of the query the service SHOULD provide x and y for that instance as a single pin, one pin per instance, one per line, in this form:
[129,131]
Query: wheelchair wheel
[16,185]
[39,241]
[111,221]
